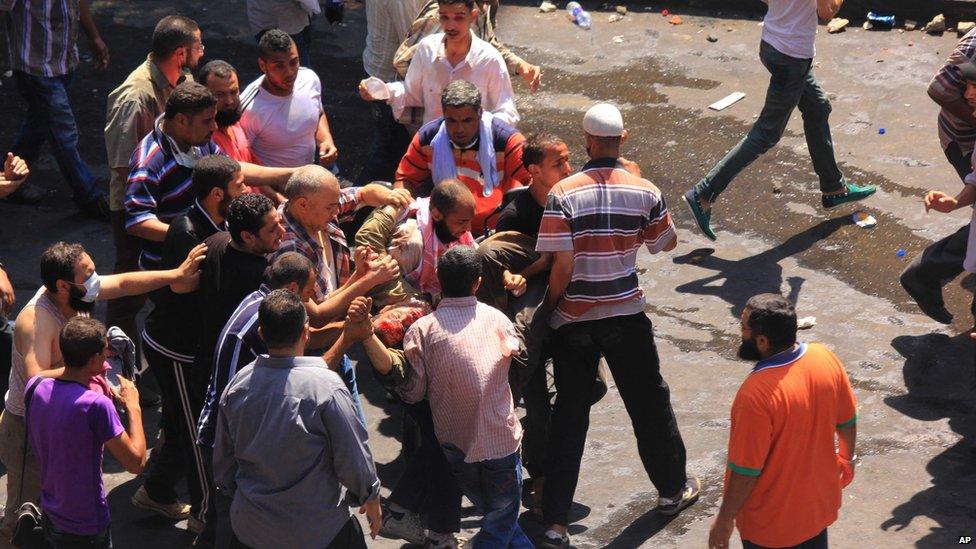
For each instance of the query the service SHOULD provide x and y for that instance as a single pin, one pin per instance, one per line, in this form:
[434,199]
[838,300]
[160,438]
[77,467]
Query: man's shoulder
[138,84]
[502,132]
[485,51]
[426,133]
[217,243]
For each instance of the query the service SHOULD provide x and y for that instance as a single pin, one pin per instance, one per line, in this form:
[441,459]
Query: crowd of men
[467,259]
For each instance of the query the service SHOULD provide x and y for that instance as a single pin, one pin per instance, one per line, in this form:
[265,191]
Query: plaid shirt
[42,35]
[297,239]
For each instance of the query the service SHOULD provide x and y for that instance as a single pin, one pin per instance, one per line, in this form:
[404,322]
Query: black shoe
[97,209]
[29,194]
[928,299]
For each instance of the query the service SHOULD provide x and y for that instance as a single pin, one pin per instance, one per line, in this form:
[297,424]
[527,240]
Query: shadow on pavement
[938,374]
[735,281]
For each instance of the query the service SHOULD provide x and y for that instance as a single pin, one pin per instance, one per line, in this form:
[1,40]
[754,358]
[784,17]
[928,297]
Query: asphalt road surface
[914,379]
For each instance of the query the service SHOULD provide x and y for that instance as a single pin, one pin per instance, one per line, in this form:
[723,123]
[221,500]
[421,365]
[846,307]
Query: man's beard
[227,118]
[222,206]
[77,304]
[443,233]
[748,350]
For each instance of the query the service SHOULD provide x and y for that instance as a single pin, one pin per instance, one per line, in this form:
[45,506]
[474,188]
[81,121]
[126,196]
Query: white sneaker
[407,527]
[688,495]
[175,510]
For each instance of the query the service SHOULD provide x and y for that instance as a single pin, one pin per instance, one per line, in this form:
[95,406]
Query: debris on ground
[614,17]
[547,7]
[936,25]
[727,101]
[911,24]
[711,38]
[665,12]
[864,220]
[900,253]
[881,131]
[867,25]
[777,188]
[837,24]
[806,322]
[965,26]
[881,20]
[622,10]
[618,39]
[676,20]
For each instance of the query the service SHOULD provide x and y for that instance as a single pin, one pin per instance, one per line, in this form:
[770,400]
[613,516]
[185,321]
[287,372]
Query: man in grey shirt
[290,451]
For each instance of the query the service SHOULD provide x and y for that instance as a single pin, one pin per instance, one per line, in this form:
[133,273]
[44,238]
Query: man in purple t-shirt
[69,425]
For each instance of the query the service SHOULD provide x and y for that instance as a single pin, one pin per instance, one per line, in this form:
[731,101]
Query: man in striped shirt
[943,261]
[159,187]
[459,360]
[42,38]
[594,224]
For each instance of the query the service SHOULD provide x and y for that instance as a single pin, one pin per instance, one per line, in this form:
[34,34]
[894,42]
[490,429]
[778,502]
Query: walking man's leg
[786,85]
[942,261]
[501,491]
[575,361]
[815,108]
[158,492]
[627,343]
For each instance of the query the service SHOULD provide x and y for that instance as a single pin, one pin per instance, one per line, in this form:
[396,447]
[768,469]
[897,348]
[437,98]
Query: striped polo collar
[783,358]
[597,163]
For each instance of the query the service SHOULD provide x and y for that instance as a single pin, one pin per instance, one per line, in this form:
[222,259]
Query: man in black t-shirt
[509,258]
[235,266]
[170,340]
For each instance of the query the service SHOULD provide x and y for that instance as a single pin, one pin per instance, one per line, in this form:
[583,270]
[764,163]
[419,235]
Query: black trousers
[179,455]
[350,537]
[942,261]
[627,343]
[816,542]
[427,485]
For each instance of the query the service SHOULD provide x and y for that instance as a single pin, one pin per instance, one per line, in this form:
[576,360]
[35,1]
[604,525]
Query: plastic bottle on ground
[579,16]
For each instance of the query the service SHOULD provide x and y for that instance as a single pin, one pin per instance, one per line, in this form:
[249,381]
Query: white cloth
[281,130]
[430,72]
[444,167]
[387,24]
[790,26]
[288,15]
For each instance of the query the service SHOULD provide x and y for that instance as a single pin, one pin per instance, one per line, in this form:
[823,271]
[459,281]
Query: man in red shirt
[459,145]
[784,478]
[220,77]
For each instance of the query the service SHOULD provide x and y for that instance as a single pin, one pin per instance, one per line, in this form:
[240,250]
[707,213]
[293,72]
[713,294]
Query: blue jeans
[348,375]
[495,487]
[50,118]
[791,85]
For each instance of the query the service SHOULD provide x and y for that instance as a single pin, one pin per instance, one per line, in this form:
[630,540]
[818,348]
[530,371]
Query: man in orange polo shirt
[784,478]
[459,146]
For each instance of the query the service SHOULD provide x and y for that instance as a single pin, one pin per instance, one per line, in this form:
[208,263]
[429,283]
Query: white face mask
[186,159]
[92,287]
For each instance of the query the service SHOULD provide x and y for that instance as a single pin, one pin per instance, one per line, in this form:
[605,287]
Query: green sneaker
[853,194]
[702,218]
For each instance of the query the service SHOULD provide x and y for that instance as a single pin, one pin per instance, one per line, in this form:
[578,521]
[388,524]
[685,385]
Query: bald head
[313,197]
[309,180]
[449,195]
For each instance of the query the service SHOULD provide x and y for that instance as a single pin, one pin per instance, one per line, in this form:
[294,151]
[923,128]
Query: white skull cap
[603,120]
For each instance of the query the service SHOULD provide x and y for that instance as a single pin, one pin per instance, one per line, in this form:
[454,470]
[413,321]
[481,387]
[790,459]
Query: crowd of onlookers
[472,265]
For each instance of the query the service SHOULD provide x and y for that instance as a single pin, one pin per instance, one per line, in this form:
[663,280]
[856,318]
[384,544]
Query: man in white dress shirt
[455,54]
